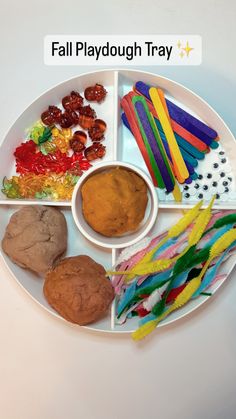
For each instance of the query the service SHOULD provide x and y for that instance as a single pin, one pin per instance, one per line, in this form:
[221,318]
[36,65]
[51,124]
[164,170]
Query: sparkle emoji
[187,49]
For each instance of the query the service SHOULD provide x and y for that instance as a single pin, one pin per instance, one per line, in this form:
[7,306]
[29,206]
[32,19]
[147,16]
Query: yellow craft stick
[176,192]
[177,159]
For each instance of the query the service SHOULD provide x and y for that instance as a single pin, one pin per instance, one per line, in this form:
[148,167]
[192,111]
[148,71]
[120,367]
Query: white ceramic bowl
[125,240]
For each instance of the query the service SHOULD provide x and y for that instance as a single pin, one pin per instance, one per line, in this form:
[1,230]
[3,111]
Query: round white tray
[120,146]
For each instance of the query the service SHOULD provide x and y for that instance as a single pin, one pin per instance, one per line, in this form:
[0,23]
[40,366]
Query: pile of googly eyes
[215,177]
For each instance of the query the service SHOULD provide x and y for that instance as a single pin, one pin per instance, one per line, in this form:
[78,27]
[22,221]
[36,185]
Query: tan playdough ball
[78,289]
[114,201]
[36,236]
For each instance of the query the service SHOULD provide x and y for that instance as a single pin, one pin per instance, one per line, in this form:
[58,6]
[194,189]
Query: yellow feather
[150,267]
[200,224]
[185,221]
[223,243]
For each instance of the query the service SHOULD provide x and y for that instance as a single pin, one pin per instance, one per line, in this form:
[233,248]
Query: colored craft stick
[192,124]
[163,101]
[185,119]
[144,119]
[177,159]
[178,129]
[189,159]
[194,176]
[133,124]
[214,144]
[183,143]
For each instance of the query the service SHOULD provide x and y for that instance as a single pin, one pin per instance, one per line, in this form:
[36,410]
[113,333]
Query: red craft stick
[192,139]
[127,105]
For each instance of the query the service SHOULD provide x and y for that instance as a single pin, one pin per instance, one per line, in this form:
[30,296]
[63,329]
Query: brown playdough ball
[78,289]
[114,202]
[35,237]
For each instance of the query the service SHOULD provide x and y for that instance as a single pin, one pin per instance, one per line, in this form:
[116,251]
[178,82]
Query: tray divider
[116,112]
[113,306]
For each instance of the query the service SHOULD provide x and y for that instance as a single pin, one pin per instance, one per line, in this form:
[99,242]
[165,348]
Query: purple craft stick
[154,146]
[186,120]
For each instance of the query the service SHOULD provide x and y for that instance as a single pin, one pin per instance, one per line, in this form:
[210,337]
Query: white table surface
[51,370]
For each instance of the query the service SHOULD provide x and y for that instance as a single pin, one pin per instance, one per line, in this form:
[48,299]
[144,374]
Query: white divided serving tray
[121,146]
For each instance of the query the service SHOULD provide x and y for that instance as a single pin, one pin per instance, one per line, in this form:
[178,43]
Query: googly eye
[223,161]
[225,183]
[230,179]
[205,187]
[222,174]
[215,165]
[227,169]
[220,188]
[217,196]
[200,195]
[226,189]
[187,195]
[200,177]
[221,153]
[196,186]
[186,187]
[214,184]
[209,175]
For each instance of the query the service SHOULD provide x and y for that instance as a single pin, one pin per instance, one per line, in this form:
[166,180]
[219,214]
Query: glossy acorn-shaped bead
[72,102]
[95,151]
[51,115]
[96,93]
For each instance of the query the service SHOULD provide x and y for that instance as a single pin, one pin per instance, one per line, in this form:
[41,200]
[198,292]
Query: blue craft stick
[194,176]
[199,155]
[183,143]
[125,121]
[214,145]
[186,120]
[188,158]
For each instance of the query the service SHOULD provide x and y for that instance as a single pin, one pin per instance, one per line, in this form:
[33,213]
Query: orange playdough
[114,201]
